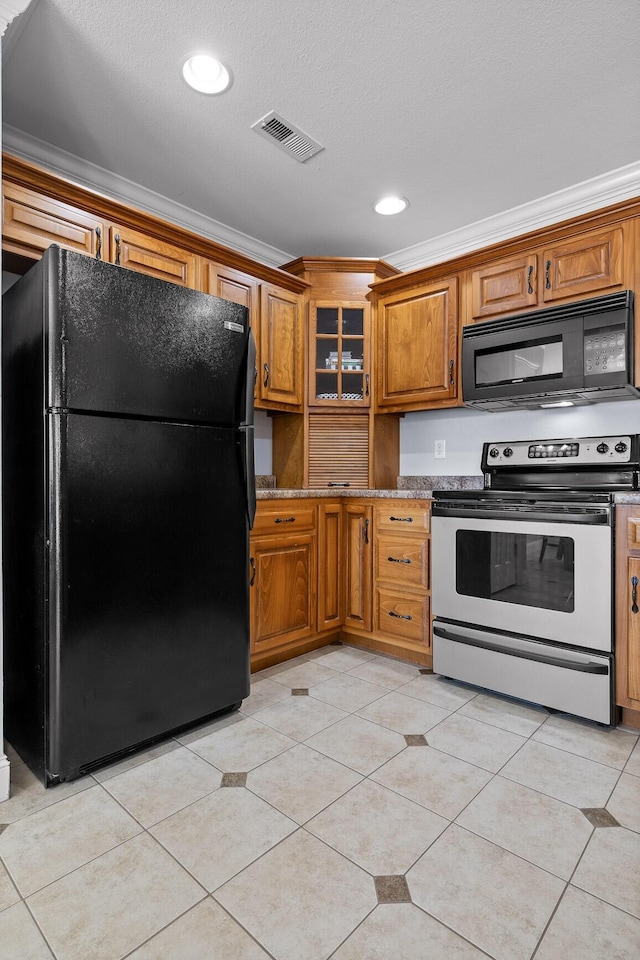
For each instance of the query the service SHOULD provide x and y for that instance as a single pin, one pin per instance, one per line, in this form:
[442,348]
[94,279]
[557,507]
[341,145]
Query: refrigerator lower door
[580,683]
[148,623]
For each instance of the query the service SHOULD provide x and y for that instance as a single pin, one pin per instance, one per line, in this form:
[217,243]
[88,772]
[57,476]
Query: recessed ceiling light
[390,205]
[206,74]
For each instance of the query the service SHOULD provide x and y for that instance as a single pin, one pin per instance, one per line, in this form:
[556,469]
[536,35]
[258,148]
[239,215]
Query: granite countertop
[624,497]
[409,488]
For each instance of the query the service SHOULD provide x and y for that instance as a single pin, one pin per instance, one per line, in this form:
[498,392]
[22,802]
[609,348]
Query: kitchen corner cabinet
[590,263]
[628,613]
[339,365]
[417,346]
[358,565]
[330,565]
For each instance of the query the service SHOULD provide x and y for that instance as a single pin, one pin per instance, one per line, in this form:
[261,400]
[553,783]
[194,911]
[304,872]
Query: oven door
[534,577]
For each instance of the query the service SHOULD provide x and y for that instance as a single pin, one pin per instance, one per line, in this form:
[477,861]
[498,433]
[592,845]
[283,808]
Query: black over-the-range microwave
[571,354]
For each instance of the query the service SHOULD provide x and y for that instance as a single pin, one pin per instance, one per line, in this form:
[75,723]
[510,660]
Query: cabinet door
[338,450]
[417,347]
[232,285]
[283,596]
[280,373]
[504,287]
[359,566]
[330,566]
[145,254]
[592,262]
[339,371]
[633,631]
[31,223]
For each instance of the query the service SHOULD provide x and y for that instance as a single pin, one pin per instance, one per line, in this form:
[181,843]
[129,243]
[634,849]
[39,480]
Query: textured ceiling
[466,107]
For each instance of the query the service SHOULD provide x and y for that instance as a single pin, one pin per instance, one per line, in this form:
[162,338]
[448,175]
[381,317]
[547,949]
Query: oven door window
[523,568]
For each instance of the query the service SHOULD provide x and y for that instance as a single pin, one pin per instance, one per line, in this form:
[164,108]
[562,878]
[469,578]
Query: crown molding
[9,10]
[93,177]
[602,191]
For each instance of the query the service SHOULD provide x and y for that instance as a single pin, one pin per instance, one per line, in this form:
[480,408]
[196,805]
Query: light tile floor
[355,808]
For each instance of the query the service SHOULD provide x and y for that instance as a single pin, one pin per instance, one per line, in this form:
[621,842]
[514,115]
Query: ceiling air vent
[286,136]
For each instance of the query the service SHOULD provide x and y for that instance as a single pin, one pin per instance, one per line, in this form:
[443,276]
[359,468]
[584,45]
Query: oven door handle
[490,642]
[520,514]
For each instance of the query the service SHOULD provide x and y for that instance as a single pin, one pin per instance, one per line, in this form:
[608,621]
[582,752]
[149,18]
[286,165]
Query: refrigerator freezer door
[124,343]
[148,583]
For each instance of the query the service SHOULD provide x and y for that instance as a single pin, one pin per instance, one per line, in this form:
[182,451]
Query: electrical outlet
[438,450]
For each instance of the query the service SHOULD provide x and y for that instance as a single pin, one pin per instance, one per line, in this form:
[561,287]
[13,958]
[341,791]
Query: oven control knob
[494,452]
[508,451]
[621,447]
[602,448]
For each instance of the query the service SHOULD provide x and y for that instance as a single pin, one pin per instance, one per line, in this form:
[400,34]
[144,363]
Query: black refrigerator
[128,495]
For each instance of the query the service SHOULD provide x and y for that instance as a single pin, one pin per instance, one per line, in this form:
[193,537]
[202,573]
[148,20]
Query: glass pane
[351,386]
[526,362]
[327,320]
[523,568]
[352,354]
[327,354]
[353,321]
[326,386]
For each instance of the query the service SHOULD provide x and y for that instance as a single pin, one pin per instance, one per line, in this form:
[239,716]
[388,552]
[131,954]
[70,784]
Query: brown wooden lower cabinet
[350,568]
[628,613]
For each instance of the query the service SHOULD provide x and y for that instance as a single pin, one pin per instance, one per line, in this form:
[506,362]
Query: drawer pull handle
[398,560]
[547,275]
[366,384]
[634,594]
[99,245]
[285,520]
[117,249]
[529,284]
[452,381]
[365,531]
[253,571]
[339,483]
[402,519]
[265,367]
[400,616]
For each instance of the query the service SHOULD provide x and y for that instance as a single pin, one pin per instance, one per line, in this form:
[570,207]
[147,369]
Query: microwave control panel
[605,350]
[589,451]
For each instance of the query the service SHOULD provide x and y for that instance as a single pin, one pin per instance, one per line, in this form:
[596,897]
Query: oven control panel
[588,451]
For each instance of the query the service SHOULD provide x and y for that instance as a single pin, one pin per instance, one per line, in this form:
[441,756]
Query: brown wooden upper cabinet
[32,222]
[339,366]
[417,346]
[588,264]
[157,258]
[281,349]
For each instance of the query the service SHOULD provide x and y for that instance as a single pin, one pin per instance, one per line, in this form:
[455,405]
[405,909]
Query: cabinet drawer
[401,616]
[285,517]
[402,560]
[402,517]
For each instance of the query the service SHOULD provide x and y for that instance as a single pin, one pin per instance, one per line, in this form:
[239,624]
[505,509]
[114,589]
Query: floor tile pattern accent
[392,889]
[512,834]
[599,817]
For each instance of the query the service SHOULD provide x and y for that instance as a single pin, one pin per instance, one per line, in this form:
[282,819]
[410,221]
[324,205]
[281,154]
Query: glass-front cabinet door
[339,370]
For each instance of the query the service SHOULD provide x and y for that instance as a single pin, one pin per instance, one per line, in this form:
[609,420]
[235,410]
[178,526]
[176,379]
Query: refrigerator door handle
[252,373]
[249,473]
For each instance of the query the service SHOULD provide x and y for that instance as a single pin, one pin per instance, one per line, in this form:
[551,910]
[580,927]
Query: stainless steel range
[522,572]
